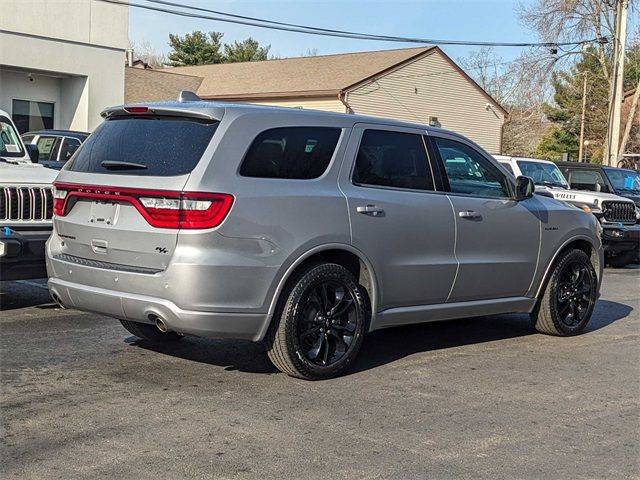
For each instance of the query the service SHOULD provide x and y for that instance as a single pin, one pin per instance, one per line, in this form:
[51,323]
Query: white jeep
[26,206]
[617,215]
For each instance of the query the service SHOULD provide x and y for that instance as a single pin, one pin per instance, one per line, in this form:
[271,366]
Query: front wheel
[321,324]
[569,296]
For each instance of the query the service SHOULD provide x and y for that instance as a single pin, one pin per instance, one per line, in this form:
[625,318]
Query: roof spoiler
[156,109]
[188,96]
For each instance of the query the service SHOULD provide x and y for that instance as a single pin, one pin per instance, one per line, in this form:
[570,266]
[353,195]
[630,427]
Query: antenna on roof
[188,96]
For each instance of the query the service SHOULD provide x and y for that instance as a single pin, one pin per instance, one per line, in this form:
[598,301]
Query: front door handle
[470,214]
[372,210]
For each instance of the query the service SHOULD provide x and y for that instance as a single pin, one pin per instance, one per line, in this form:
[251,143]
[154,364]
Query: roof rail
[188,96]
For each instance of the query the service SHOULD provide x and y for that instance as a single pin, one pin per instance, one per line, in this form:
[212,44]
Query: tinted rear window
[166,146]
[293,152]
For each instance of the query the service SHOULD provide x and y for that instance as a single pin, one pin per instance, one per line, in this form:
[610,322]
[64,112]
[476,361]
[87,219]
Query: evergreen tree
[564,133]
[248,50]
[197,48]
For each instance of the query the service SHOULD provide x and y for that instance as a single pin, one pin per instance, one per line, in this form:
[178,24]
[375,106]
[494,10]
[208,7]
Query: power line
[273,25]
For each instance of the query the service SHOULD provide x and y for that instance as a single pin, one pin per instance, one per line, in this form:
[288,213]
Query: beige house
[420,85]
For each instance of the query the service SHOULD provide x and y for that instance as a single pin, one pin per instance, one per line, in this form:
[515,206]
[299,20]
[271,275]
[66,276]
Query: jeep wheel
[569,296]
[321,323]
[150,332]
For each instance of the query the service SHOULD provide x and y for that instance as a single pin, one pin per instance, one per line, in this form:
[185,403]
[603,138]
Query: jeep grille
[26,203]
[624,212]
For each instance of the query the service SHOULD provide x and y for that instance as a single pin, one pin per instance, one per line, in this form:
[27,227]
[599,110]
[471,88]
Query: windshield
[543,173]
[10,144]
[624,180]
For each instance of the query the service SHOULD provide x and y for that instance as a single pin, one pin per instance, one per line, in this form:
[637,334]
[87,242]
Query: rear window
[299,153]
[147,146]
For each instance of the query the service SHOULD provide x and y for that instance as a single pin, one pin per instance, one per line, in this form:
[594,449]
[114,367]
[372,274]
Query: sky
[484,20]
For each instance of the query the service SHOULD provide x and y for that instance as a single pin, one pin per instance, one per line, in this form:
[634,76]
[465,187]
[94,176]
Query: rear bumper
[618,240]
[146,309]
[22,254]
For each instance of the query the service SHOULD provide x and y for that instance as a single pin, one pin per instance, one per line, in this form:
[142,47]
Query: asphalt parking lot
[481,398]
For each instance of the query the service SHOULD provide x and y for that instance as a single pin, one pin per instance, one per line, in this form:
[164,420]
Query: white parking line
[32,284]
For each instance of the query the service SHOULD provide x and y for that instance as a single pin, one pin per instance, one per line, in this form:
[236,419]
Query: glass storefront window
[29,116]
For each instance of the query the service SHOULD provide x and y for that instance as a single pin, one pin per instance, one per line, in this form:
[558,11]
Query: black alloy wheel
[569,296]
[327,322]
[320,323]
[573,294]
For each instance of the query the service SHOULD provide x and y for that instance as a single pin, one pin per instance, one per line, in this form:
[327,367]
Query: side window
[469,172]
[508,167]
[587,180]
[68,148]
[299,153]
[48,147]
[392,159]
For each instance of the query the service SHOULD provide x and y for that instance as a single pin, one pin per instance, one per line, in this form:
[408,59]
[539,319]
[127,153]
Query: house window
[30,116]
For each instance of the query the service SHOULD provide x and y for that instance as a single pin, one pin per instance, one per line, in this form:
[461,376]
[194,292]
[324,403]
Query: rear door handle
[372,210]
[99,246]
[470,214]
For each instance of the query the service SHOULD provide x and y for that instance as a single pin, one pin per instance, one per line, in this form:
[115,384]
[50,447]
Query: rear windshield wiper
[117,165]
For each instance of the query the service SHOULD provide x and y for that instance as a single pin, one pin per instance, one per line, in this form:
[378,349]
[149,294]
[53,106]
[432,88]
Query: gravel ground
[480,398]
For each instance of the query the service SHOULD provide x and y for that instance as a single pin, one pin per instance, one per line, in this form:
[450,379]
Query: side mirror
[598,188]
[33,151]
[524,188]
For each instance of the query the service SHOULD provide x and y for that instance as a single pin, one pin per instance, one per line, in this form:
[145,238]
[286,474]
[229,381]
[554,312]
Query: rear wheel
[150,332]
[321,324]
[569,296]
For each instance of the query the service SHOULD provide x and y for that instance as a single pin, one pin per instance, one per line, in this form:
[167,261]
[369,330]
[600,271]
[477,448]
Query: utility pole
[584,109]
[613,132]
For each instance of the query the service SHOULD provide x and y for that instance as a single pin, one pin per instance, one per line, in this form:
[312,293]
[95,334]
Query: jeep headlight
[585,207]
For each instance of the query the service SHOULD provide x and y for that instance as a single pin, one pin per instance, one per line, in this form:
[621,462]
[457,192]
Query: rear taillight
[58,201]
[162,209]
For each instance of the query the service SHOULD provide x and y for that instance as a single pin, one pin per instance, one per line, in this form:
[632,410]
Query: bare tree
[143,50]
[517,86]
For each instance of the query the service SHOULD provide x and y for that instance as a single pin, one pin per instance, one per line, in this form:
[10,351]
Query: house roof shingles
[320,75]
[143,85]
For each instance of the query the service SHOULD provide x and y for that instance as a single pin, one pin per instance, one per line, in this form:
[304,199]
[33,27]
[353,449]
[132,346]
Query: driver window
[469,172]
[588,180]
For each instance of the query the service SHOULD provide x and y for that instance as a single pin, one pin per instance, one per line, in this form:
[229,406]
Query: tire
[320,323]
[150,332]
[566,305]
[623,259]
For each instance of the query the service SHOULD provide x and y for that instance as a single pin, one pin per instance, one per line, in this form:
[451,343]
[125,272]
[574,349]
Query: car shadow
[23,294]
[386,346]
[382,346]
[241,355]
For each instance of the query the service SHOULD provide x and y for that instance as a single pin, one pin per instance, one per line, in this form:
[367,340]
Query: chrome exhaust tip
[57,300]
[161,325]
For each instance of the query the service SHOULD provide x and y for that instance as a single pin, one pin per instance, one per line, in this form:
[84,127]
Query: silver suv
[305,230]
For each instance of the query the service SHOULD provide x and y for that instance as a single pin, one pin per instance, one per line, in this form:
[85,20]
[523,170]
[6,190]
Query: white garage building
[61,62]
